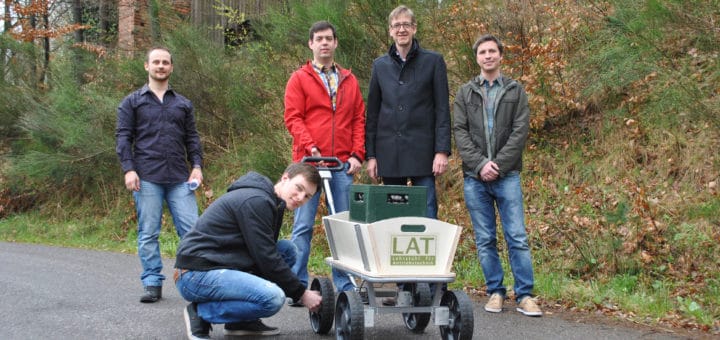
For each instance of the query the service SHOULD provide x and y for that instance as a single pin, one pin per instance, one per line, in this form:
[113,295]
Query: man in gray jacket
[491,122]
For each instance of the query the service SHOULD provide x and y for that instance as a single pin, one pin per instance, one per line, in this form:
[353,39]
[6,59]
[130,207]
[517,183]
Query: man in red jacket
[325,114]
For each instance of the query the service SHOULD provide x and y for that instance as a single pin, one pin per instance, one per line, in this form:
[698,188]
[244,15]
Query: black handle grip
[327,162]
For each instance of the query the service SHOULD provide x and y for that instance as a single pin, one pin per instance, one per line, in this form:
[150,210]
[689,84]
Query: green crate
[370,203]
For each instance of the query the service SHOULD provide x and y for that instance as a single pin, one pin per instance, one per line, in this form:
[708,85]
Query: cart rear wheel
[349,316]
[461,321]
[416,322]
[322,320]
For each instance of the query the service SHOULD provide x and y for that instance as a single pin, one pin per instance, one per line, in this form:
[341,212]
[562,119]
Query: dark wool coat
[408,112]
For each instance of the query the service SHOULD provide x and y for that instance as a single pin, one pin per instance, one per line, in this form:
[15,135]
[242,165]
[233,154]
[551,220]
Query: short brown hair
[161,48]
[488,37]
[321,26]
[309,171]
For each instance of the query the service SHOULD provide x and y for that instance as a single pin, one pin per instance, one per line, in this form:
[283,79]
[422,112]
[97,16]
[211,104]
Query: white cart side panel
[348,241]
[413,246]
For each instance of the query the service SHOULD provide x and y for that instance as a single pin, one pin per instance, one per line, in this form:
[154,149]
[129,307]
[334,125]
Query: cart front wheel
[416,322]
[349,316]
[461,322]
[322,320]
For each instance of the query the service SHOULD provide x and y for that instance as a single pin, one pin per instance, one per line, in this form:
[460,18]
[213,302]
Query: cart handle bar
[325,160]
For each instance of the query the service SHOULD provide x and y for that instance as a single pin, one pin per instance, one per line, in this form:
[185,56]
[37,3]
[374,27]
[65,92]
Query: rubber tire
[417,322]
[349,316]
[322,320]
[461,320]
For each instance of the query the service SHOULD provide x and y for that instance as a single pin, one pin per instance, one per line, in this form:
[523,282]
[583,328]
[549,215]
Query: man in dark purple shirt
[156,139]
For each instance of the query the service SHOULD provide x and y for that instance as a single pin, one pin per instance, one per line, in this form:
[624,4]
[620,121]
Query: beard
[162,77]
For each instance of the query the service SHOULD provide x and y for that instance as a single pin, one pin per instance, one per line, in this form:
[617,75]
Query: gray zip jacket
[510,129]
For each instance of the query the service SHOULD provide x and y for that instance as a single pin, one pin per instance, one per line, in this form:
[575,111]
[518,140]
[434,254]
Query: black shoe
[256,328]
[196,327]
[152,294]
[389,301]
[364,297]
[295,303]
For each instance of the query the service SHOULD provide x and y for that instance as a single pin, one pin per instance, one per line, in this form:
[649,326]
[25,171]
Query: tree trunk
[5,52]
[33,26]
[126,27]
[154,15]
[77,19]
[104,14]
[46,47]
[7,18]
[78,69]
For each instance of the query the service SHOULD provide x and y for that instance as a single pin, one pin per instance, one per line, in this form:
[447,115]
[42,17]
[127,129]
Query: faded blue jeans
[304,221]
[425,181]
[481,198]
[227,296]
[149,204]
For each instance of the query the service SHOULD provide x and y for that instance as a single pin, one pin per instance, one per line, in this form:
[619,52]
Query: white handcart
[416,252]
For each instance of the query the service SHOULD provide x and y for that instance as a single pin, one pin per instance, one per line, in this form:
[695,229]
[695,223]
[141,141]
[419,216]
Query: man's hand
[489,172]
[311,299]
[196,173]
[440,163]
[132,181]
[372,168]
[355,166]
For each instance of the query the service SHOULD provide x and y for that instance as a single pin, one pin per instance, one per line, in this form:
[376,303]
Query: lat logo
[413,250]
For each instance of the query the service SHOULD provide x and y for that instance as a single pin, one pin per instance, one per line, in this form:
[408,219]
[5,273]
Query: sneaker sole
[190,336]
[295,304]
[148,300]
[526,313]
[242,333]
[492,310]
[186,316]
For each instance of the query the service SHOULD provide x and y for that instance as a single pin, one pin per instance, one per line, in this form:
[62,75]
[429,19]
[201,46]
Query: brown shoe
[529,307]
[495,304]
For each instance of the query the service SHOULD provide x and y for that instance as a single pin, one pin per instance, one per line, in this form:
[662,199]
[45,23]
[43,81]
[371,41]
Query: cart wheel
[416,322]
[349,316]
[461,320]
[322,320]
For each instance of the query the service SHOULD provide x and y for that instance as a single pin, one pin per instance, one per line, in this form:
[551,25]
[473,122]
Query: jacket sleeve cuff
[357,157]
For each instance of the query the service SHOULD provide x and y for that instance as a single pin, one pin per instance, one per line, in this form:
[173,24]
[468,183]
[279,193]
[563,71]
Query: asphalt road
[63,293]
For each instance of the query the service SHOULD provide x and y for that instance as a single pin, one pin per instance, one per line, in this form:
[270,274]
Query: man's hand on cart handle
[324,163]
[311,299]
[315,152]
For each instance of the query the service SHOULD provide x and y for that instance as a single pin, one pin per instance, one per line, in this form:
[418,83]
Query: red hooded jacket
[310,119]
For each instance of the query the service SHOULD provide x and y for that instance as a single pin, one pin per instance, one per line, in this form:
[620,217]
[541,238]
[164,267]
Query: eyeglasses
[405,25]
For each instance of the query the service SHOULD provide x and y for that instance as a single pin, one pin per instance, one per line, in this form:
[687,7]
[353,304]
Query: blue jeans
[425,181]
[305,221]
[226,296]
[149,204]
[481,199]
